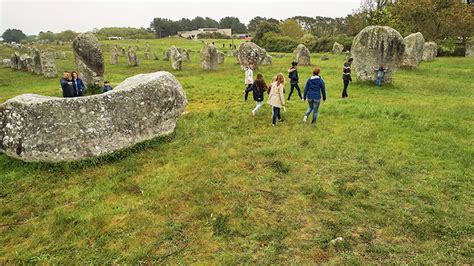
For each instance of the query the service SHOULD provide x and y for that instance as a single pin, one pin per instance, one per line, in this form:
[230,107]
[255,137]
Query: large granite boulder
[414,47]
[48,67]
[302,55]
[337,48]
[38,128]
[209,57]
[175,58]
[470,48]
[249,52]
[220,57]
[375,46]
[89,59]
[430,51]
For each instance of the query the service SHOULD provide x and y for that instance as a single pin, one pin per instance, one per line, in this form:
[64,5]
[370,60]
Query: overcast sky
[33,16]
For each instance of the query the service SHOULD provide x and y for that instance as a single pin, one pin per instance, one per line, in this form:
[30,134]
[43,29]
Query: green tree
[291,28]
[13,35]
[233,23]
[49,35]
[264,27]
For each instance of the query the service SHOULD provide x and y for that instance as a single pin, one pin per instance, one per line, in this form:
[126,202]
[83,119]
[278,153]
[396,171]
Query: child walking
[346,76]
[312,91]
[293,76]
[277,98]
[258,88]
[248,79]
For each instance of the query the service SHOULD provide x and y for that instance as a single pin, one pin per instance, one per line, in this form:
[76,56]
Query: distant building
[115,38]
[193,34]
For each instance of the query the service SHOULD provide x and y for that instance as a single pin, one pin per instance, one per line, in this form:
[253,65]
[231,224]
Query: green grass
[389,170]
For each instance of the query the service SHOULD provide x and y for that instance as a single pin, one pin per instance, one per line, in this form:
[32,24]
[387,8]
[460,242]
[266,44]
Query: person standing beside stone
[277,98]
[248,79]
[66,85]
[106,87]
[346,76]
[312,92]
[77,84]
[293,76]
[380,73]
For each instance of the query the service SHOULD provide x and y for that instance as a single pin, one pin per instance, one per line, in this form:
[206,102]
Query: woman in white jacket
[277,98]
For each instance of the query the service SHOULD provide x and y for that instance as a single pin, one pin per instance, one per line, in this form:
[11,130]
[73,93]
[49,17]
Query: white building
[193,34]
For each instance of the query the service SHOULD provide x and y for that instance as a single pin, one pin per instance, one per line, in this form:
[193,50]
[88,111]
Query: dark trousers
[297,87]
[276,114]
[344,91]
[247,91]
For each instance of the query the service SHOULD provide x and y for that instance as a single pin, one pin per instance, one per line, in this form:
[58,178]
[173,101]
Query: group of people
[314,90]
[73,86]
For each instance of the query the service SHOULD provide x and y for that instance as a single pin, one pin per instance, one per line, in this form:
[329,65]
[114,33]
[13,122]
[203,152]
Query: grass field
[388,169]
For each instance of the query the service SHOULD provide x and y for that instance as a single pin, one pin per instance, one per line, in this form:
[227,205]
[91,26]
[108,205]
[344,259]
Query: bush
[324,44]
[274,42]
[451,47]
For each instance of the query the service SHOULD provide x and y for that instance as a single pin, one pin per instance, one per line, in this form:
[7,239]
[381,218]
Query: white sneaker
[253,113]
[305,118]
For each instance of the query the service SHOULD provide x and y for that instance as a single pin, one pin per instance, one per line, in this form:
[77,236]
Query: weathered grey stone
[337,48]
[24,62]
[414,46]
[166,55]
[114,57]
[89,59]
[48,68]
[36,55]
[175,58]
[185,55]
[137,48]
[6,62]
[268,60]
[375,46]
[38,128]
[430,51]
[249,52]
[324,58]
[147,48]
[146,56]
[209,57]
[470,48]
[348,55]
[302,55]
[220,57]
[15,61]
[132,58]
[155,56]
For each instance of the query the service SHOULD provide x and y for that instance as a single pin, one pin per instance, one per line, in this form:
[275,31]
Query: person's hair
[316,71]
[260,83]
[251,63]
[74,72]
[106,82]
[280,79]
[350,59]
[65,71]
[294,63]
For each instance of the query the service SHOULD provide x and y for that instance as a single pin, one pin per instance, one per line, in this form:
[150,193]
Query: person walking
[66,85]
[294,79]
[248,79]
[77,84]
[259,87]
[346,76]
[312,92]
[277,98]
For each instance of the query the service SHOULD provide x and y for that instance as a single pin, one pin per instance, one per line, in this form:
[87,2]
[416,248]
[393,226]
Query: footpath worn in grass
[388,169]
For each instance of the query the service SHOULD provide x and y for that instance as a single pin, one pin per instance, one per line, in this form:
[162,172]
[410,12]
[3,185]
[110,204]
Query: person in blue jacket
[312,92]
[77,84]
[106,87]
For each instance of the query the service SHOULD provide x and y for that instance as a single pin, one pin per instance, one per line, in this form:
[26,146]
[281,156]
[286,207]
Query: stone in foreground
[414,47]
[89,58]
[38,128]
[249,52]
[375,46]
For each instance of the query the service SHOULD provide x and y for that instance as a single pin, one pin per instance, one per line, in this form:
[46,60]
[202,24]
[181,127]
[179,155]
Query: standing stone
[430,51]
[470,48]
[220,57]
[268,60]
[89,59]
[185,55]
[36,55]
[166,55]
[124,53]
[337,48]
[324,58]
[414,47]
[155,56]
[137,48]
[132,58]
[114,57]
[146,56]
[6,62]
[209,57]
[375,46]
[15,61]
[48,68]
[147,48]
[249,52]
[302,55]
[64,55]
[24,61]
[348,55]
[175,58]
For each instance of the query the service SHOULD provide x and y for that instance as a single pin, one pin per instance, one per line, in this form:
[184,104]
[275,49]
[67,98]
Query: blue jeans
[276,114]
[344,90]
[378,81]
[313,107]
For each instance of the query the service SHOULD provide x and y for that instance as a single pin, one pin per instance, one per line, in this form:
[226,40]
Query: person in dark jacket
[258,88]
[77,84]
[312,92]
[380,73]
[66,85]
[346,76]
[293,76]
[106,87]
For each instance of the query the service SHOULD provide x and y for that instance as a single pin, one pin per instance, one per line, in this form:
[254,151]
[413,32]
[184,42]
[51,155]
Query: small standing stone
[155,56]
[220,57]
[302,55]
[146,56]
[209,57]
[114,57]
[132,58]
[175,58]
[185,55]
[47,65]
